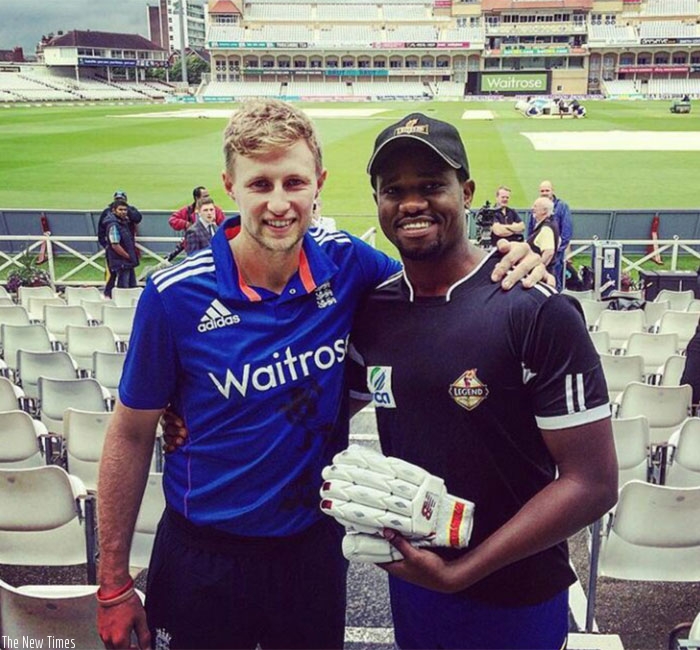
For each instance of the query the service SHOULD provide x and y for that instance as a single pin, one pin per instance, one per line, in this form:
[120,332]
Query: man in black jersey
[499,393]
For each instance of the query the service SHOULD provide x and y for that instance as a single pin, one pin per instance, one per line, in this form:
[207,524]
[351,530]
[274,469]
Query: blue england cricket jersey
[257,377]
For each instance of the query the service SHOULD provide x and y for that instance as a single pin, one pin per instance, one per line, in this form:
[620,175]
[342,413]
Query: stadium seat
[25,293]
[59,612]
[20,441]
[683,323]
[83,341]
[620,324]
[107,369]
[126,297]
[683,468]
[93,308]
[631,436]
[46,519]
[678,300]
[653,310]
[653,348]
[601,341]
[84,433]
[120,319]
[693,306]
[73,295]
[10,395]
[57,318]
[673,370]
[665,407]
[620,370]
[32,365]
[57,395]
[654,535]
[35,307]
[592,309]
[24,337]
[152,507]
[580,295]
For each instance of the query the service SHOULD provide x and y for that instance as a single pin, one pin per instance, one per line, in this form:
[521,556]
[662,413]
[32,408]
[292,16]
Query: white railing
[49,246]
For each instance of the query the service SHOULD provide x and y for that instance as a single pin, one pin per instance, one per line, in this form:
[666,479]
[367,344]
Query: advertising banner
[514,83]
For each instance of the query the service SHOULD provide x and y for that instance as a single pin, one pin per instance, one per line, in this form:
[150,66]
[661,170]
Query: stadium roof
[516,5]
[110,40]
[224,7]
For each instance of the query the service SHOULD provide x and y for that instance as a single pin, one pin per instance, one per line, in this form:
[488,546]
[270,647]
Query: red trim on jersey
[307,279]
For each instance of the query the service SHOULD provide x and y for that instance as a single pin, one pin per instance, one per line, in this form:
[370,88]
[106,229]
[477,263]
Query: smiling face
[275,193]
[421,202]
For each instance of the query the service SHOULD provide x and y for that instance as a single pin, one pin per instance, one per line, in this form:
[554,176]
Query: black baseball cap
[441,137]
[120,194]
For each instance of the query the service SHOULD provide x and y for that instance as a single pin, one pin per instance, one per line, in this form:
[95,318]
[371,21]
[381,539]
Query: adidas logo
[217,316]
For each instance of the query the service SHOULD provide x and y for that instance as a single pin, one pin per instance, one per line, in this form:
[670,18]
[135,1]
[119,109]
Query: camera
[483,220]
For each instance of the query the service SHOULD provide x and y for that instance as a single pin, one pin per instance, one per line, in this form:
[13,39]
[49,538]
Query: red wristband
[119,592]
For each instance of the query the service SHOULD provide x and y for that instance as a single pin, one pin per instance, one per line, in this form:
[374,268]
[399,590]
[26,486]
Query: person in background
[544,239]
[507,223]
[183,218]
[199,234]
[135,218]
[565,226]
[121,250]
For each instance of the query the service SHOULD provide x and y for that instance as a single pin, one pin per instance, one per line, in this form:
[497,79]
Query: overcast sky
[23,22]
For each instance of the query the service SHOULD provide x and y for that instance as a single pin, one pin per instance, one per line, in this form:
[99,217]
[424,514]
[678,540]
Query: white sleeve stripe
[355,355]
[197,271]
[581,395]
[569,394]
[574,419]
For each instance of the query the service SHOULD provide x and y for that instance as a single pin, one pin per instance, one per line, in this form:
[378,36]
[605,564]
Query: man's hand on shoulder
[520,263]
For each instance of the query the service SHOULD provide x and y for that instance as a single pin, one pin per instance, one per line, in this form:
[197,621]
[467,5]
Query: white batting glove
[366,492]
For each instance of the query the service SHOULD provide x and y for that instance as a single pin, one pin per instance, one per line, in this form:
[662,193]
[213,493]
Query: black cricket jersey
[462,385]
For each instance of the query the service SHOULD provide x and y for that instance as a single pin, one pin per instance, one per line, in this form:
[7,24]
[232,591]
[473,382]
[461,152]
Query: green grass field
[74,157]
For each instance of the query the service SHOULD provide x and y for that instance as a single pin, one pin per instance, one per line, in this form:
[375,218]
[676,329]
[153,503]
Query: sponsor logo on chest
[468,390]
[216,317]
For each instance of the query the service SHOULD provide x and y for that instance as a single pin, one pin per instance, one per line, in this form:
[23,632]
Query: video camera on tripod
[484,220]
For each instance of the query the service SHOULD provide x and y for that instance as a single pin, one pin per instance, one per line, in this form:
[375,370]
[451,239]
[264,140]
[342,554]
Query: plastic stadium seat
[683,323]
[673,370]
[620,370]
[32,365]
[684,464]
[84,434]
[580,295]
[601,341]
[56,318]
[620,324]
[653,311]
[120,320]
[123,297]
[693,306]
[592,309]
[44,520]
[678,300]
[83,341]
[152,507]
[654,535]
[35,307]
[10,395]
[631,436]
[57,395]
[24,337]
[665,407]
[58,611]
[25,293]
[73,295]
[107,369]
[20,441]
[653,348]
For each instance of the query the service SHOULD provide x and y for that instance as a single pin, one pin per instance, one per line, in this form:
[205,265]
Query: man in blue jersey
[246,341]
[501,394]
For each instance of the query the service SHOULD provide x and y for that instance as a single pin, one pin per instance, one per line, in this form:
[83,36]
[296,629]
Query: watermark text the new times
[40,643]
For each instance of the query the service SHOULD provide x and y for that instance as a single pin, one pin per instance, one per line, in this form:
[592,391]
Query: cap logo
[412,126]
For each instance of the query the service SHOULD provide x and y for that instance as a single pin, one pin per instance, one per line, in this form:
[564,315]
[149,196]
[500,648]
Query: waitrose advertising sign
[514,83]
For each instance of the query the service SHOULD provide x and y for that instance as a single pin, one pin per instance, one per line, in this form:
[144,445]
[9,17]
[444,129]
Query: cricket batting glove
[366,492]
[361,547]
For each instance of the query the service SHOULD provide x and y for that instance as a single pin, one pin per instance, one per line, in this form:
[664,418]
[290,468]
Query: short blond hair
[262,126]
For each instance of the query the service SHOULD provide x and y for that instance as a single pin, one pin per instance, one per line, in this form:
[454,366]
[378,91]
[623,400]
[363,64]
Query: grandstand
[422,49]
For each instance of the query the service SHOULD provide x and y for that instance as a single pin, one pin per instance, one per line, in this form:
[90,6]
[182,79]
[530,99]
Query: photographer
[507,223]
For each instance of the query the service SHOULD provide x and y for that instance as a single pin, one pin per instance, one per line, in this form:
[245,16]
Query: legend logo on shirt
[468,390]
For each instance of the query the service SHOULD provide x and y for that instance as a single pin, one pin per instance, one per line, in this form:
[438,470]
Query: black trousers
[225,591]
